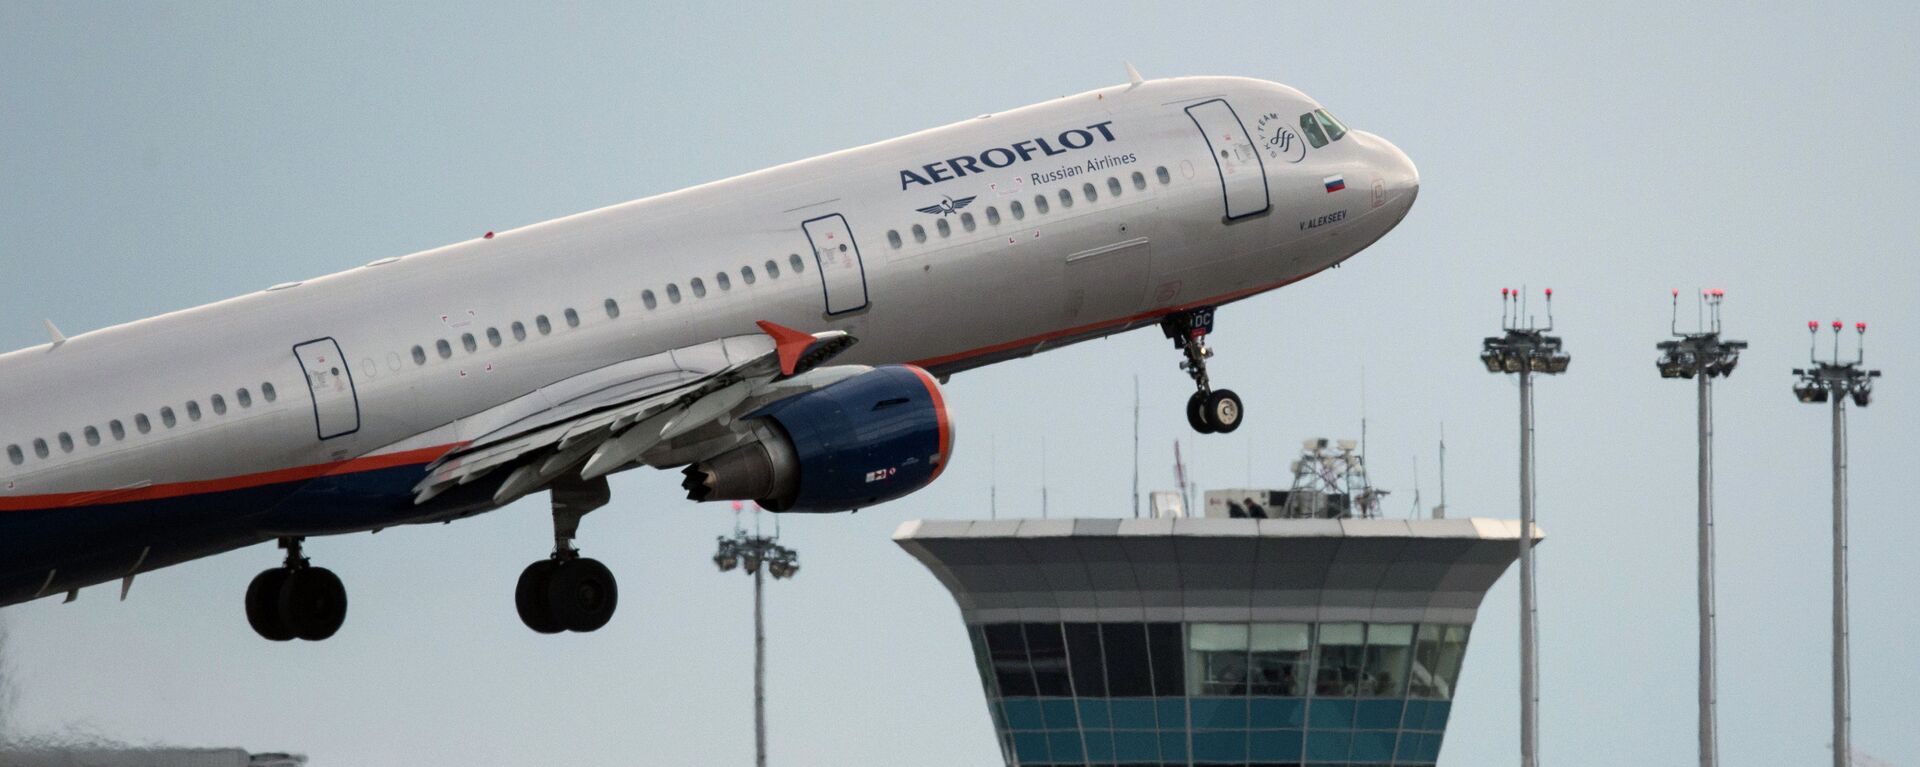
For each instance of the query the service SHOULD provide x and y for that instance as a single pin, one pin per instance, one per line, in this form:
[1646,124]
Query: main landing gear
[568,592]
[296,600]
[1209,411]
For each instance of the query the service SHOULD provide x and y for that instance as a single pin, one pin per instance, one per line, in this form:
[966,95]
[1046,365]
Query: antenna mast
[1043,477]
[1136,446]
[1440,512]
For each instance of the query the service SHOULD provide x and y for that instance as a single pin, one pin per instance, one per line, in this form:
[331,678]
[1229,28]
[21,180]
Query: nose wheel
[1209,410]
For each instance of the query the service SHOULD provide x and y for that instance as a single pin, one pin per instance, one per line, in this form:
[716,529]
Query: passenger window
[141,423]
[1087,191]
[244,397]
[14,455]
[673,293]
[519,330]
[266,390]
[166,417]
[66,442]
[1160,174]
[966,221]
[944,227]
[647,299]
[445,349]
[419,356]
[1139,181]
[219,405]
[92,435]
[1040,204]
[993,215]
[40,447]
[746,272]
[773,269]
[467,342]
[118,431]
[721,279]
[1113,186]
[541,324]
[699,288]
[573,317]
[193,410]
[1066,199]
[1311,127]
[799,266]
[1016,209]
[612,307]
[1335,129]
[893,238]
[493,337]
[919,233]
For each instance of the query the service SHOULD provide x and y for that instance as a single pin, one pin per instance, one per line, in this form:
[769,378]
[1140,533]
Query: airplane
[711,329]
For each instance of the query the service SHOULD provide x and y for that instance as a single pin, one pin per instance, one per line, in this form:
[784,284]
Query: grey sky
[157,157]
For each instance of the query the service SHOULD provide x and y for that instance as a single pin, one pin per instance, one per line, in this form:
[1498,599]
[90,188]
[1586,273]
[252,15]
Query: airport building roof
[1211,569]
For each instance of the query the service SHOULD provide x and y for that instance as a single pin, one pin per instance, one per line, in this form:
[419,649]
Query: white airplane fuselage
[933,249]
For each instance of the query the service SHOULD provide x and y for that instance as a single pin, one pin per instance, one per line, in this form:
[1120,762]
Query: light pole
[1526,350]
[749,552]
[1703,356]
[1837,381]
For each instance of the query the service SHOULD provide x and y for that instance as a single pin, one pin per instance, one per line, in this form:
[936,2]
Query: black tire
[263,605]
[582,595]
[1197,413]
[1224,411]
[313,603]
[530,597]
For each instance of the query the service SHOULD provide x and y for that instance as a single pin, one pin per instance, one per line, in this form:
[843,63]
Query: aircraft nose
[1397,170]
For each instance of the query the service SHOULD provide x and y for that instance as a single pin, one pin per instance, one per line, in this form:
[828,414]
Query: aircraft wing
[602,420]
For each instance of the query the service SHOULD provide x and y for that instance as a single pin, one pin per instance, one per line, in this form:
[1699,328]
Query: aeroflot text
[1003,156]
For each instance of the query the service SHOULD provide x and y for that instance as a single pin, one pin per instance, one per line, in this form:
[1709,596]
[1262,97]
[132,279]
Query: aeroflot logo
[1003,156]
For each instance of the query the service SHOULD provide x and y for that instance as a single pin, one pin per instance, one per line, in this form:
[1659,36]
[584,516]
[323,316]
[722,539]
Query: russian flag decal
[1335,183]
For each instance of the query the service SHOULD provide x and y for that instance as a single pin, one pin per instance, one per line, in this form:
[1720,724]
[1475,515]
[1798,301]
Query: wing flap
[608,417]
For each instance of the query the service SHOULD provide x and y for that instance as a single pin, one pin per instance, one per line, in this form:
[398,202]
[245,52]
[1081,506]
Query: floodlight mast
[751,552]
[1838,381]
[1526,349]
[1704,356]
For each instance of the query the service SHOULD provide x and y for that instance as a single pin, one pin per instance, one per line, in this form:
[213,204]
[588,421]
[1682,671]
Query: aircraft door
[336,406]
[843,278]
[1243,176]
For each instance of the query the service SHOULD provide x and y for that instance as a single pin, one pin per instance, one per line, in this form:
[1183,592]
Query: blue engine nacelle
[868,439]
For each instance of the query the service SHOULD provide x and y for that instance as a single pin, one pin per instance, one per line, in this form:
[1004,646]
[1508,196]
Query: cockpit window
[1335,129]
[1311,127]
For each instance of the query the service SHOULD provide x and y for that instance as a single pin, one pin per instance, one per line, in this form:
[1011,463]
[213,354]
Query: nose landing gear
[1209,410]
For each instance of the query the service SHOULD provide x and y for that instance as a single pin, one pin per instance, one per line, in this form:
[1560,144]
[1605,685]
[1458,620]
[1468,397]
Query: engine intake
[866,440]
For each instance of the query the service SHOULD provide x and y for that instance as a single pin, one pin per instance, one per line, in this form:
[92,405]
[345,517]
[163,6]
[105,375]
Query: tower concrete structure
[1191,641]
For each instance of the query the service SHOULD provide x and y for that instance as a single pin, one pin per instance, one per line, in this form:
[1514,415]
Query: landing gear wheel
[313,603]
[1208,411]
[582,595]
[1223,411]
[530,596]
[1197,413]
[263,605]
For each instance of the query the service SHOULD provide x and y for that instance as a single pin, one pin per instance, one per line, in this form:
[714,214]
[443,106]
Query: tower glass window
[1209,693]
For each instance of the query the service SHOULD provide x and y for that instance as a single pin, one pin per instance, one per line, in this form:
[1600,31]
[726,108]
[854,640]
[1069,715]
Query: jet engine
[868,439]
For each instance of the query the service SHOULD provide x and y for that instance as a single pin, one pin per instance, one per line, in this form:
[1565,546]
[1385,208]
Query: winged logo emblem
[947,206]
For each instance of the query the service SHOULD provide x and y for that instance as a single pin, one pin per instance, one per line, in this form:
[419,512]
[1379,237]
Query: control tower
[1212,640]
